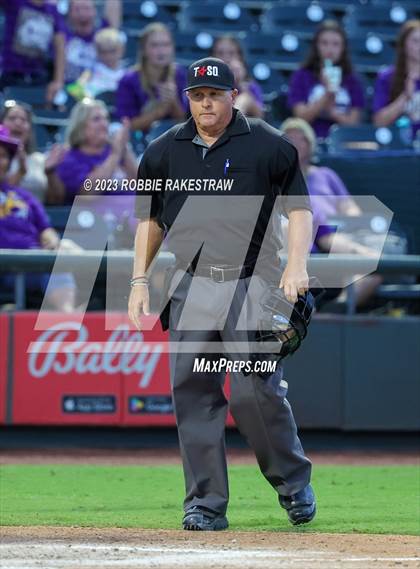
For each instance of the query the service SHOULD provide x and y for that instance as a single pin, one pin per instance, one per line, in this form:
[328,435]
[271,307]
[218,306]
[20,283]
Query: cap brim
[209,84]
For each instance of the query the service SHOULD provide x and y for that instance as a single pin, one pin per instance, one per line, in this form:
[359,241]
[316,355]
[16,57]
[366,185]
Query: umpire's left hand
[294,281]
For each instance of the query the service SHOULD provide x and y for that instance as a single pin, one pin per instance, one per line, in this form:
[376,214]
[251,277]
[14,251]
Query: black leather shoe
[301,507]
[201,519]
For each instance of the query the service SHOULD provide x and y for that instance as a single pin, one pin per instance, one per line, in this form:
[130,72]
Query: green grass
[350,498]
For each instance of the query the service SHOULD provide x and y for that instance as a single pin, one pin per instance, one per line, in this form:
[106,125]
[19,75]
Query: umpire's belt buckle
[213,274]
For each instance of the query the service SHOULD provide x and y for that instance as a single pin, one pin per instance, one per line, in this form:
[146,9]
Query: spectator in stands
[33,30]
[397,89]
[24,224]
[82,25]
[106,71]
[250,98]
[153,89]
[325,91]
[322,181]
[92,153]
[27,166]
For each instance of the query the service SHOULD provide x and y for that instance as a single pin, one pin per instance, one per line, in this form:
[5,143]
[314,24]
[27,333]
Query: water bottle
[333,74]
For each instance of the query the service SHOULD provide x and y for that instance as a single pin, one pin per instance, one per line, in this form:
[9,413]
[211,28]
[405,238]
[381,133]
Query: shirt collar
[199,141]
[238,125]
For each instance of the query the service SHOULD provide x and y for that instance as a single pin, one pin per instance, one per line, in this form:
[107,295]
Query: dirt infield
[150,457]
[88,548]
[92,548]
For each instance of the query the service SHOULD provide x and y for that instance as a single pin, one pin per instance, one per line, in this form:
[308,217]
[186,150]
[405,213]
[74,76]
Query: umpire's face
[211,108]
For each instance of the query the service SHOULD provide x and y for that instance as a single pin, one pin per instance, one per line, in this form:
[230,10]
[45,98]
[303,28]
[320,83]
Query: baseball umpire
[219,143]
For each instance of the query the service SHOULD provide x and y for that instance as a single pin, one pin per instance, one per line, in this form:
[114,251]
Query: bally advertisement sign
[81,373]
[76,373]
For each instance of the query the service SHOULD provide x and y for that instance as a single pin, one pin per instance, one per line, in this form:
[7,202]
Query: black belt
[221,274]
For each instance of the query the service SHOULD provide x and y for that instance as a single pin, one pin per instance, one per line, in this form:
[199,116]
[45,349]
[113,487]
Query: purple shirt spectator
[382,96]
[256,92]
[324,182]
[305,87]
[131,97]
[80,51]
[319,223]
[73,171]
[75,168]
[325,188]
[22,219]
[28,36]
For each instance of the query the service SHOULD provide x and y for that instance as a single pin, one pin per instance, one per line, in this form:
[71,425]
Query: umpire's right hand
[138,303]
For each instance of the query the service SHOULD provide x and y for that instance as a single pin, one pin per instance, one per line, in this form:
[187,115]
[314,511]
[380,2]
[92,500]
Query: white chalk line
[62,555]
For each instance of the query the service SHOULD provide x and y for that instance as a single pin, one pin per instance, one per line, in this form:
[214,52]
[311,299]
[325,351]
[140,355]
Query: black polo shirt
[221,199]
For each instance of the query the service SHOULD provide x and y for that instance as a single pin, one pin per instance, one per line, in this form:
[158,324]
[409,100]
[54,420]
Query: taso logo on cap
[209,70]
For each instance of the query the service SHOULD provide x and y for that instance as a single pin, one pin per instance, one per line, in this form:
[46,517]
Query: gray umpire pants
[259,406]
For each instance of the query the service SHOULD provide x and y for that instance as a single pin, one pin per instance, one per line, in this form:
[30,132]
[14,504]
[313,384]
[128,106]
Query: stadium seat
[383,21]
[226,17]
[277,110]
[302,19]
[281,51]
[400,292]
[44,137]
[58,216]
[108,97]
[51,117]
[83,225]
[158,128]
[368,83]
[370,52]
[34,96]
[192,46]
[49,128]
[137,15]
[138,142]
[340,6]
[393,179]
[131,49]
[271,80]
[410,4]
[365,138]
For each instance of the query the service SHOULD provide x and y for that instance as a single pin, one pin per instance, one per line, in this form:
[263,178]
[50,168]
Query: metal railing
[19,262]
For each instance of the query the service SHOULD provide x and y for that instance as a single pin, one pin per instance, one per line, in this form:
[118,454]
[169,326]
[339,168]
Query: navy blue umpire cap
[210,72]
